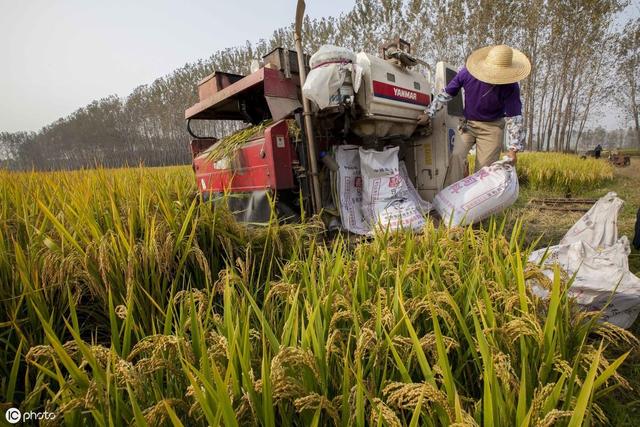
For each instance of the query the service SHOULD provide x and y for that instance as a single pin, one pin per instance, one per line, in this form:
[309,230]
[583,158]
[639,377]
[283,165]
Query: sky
[57,56]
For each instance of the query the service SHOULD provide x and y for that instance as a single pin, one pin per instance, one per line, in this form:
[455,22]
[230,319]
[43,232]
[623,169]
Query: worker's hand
[513,156]
[424,119]
[437,103]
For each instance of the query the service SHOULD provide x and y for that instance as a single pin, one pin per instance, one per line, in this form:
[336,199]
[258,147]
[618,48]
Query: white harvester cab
[382,97]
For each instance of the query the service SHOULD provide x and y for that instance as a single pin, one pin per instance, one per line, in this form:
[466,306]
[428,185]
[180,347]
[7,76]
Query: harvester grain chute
[368,101]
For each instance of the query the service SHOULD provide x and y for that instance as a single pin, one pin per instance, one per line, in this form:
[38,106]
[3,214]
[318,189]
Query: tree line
[573,46]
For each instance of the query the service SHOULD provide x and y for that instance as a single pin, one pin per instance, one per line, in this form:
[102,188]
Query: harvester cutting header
[316,119]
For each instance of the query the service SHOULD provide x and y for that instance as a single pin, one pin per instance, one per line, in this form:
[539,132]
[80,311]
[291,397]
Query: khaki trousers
[487,136]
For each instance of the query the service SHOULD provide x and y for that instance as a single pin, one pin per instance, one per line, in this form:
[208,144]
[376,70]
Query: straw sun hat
[498,64]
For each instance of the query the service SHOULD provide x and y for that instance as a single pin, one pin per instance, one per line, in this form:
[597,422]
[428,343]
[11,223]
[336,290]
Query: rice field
[126,300]
[563,172]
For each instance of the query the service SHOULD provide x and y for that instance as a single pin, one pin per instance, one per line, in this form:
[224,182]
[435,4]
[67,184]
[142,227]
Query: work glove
[516,133]
[438,102]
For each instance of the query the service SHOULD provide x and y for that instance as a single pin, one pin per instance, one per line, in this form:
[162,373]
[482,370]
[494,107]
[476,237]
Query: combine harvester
[338,133]
[360,100]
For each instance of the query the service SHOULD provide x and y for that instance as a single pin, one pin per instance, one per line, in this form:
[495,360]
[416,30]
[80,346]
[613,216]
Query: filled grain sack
[476,197]
[349,188]
[387,200]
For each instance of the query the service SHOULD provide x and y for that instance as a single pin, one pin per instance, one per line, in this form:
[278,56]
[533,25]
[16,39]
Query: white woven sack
[349,183]
[322,83]
[592,251]
[602,281]
[330,53]
[599,226]
[330,67]
[476,197]
[386,198]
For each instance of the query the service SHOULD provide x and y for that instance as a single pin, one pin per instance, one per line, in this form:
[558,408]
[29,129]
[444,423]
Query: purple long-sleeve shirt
[483,101]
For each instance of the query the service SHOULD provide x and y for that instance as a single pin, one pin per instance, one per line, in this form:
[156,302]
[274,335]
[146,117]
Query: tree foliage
[570,44]
[627,57]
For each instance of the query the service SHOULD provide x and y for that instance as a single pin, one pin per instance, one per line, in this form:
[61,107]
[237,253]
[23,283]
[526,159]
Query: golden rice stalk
[540,395]
[381,412]
[37,353]
[93,396]
[428,343]
[598,414]
[562,171]
[387,319]
[156,352]
[245,413]
[200,300]
[553,416]
[467,419]
[504,370]
[616,335]
[227,146]
[315,401]
[157,415]
[525,325]
[339,317]
[333,346]
[563,367]
[202,261]
[403,345]
[366,344]
[286,369]
[407,396]
[70,405]
[121,311]
[587,360]
[280,290]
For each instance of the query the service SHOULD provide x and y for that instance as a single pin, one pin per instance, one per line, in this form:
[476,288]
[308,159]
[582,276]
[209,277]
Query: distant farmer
[597,151]
[492,94]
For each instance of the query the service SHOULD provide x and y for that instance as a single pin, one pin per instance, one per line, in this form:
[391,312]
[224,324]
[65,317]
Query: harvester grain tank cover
[333,76]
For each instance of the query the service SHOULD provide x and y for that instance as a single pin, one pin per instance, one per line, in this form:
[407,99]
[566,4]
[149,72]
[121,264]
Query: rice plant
[122,239]
[227,147]
[562,172]
[127,300]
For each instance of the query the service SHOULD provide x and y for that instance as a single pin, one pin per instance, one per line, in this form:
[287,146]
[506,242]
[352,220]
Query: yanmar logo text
[397,93]
[402,93]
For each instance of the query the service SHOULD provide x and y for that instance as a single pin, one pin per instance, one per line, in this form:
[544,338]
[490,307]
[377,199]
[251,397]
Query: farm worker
[597,151]
[491,103]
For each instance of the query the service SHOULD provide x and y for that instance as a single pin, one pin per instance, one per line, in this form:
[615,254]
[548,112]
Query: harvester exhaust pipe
[306,108]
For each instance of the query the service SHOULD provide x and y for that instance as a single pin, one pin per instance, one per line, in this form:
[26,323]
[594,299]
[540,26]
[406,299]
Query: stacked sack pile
[592,251]
[375,192]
